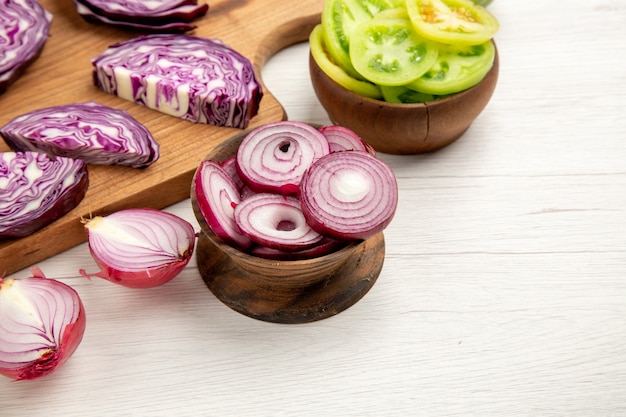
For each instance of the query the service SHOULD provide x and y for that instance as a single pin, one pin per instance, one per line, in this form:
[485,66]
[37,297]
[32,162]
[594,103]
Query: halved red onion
[275,221]
[349,195]
[42,322]
[35,190]
[194,78]
[139,248]
[343,139]
[274,157]
[217,196]
[93,132]
[24,30]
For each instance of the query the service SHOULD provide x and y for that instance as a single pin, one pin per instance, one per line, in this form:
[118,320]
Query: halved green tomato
[339,18]
[452,21]
[335,72]
[457,68]
[387,51]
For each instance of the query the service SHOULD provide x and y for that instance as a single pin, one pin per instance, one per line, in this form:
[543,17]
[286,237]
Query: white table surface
[503,291]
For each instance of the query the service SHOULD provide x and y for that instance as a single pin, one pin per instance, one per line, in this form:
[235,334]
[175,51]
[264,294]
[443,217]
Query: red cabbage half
[95,133]
[24,28]
[35,190]
[197,79]
[154,16]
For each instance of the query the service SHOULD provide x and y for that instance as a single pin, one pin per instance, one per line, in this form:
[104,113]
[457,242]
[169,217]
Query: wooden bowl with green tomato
[408,76]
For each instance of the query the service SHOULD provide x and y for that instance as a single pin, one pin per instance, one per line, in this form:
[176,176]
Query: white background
[503,291]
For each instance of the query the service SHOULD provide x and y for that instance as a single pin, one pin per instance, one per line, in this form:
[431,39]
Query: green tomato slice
[336,72]
[387,51]
[339,18]
[452,21]
[404,95]
[457,68]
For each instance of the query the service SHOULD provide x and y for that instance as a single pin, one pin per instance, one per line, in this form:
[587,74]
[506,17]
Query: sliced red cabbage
[24,29]
[35,190]
[151,16]
[196,79]
[93,132]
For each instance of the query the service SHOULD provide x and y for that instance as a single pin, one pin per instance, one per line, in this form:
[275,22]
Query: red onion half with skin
[349,195]
[139,248]
[42,322]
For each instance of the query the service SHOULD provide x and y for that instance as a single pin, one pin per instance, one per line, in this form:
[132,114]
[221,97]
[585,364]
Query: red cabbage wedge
[24,29]
[154,16]
[35,190]
[95,133]
[196,79]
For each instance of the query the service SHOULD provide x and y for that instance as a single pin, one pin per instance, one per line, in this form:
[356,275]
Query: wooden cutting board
[63,74]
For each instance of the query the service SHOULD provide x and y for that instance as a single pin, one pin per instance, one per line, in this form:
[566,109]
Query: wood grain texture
[503,291]
[63,75]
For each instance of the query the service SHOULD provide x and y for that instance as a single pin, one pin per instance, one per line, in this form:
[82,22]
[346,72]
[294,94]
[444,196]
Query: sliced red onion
[139,248]
[165,21]
[197,79]
[35,190]
[276,222]
[95,133]
[343,139]
[230,166]
[24,30]
[42,322]
[349,195]
[217,196]
[274,157]
[323,247]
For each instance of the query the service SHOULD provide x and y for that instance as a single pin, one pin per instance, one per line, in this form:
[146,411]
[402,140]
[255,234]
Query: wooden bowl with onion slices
[416,115]
[282,290]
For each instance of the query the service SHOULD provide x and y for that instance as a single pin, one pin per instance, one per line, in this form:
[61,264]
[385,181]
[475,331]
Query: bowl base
[244,292]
